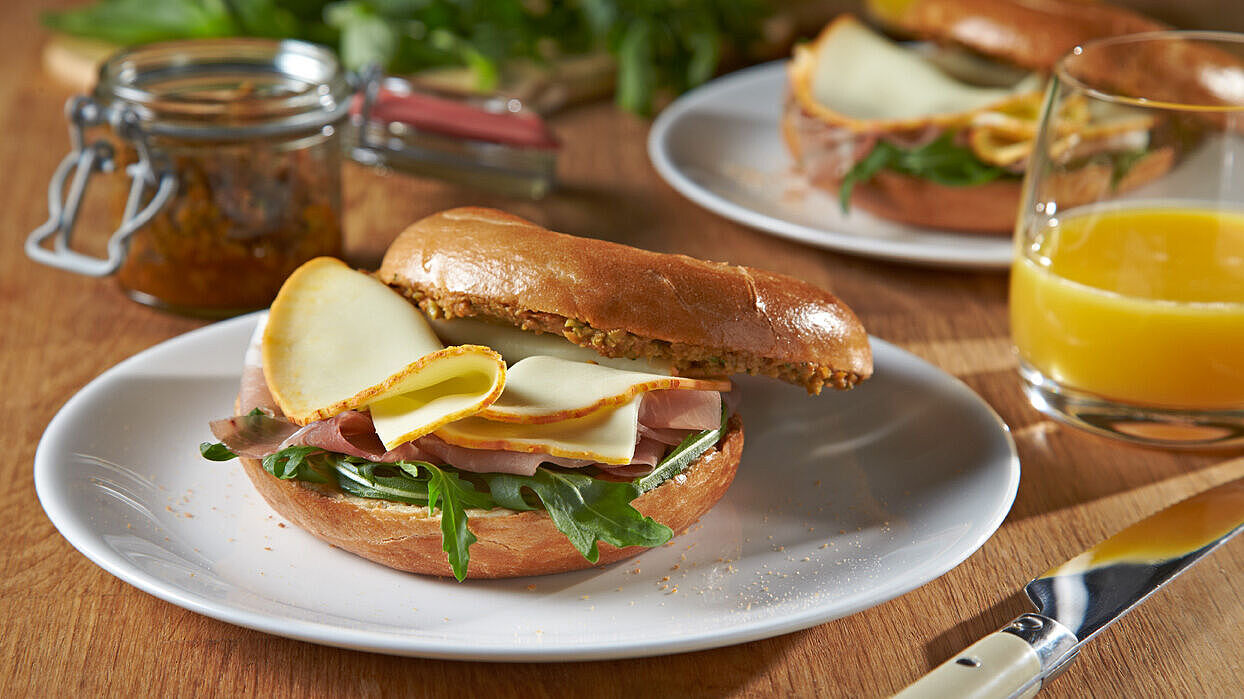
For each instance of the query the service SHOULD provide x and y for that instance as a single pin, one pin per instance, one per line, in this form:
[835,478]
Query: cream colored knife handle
[995,667]
[1008,663]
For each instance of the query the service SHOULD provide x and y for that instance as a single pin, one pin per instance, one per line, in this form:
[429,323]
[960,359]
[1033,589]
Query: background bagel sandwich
[938,133]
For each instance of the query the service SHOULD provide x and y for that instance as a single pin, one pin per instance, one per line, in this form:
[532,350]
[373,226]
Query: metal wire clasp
[84,160]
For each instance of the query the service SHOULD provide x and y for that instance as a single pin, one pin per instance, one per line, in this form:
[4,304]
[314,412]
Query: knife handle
[1007,663]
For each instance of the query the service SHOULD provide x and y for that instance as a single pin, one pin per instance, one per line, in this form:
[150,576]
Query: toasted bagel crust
[474,261]
[510,544]
[984,208]
[1032,34]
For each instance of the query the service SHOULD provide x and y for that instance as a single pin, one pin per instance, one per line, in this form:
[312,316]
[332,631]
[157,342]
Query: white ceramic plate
[719,146]
[842,502]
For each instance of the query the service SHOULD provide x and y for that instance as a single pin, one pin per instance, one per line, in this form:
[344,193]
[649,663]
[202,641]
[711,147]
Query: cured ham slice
[668,437]
[252,436]
[352,433]
[684,410]
[492,460]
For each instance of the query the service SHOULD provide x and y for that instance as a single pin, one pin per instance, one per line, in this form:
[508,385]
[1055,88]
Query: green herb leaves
[682,455]
[454,495]
[588,509]
[301,463]
[128,22]
[671,45]
[215,451]
[399,482]
[657,45]
[940,161]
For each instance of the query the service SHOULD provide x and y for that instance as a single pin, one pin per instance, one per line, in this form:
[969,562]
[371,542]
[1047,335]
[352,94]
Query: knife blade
[1079,598]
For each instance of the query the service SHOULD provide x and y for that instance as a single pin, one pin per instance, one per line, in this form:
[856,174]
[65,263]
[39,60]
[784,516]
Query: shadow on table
[944,646]
[1064,468]
[353,673]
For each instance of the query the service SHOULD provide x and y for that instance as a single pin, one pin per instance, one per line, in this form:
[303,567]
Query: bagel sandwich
[499,400]
[938,133]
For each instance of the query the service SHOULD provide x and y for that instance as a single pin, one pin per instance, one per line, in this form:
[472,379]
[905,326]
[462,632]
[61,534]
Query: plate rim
[659,153]
[383,642]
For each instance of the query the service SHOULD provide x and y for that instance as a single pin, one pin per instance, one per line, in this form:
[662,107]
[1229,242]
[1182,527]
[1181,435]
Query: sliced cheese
[862,75]
[606,435]
[439,388]
[338,340]
[548,389]
[515,345]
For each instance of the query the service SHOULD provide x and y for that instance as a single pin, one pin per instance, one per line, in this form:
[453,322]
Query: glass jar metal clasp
[77,167]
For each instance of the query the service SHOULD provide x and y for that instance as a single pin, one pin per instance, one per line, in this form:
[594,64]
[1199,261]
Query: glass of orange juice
[1127,290]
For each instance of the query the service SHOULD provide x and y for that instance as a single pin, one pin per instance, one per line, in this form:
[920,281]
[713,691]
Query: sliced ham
[667,436]
[353,434]
[254,393]
[648,452]
[492,460]
[685,410]
[253,436]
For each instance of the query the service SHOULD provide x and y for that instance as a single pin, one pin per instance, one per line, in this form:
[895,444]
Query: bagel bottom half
[982,208]
[510,544]
[993,207]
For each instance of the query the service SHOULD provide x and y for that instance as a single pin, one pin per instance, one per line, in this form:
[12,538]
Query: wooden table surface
[71,628]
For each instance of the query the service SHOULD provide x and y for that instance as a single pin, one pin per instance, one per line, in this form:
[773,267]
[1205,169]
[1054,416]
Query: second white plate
[842,502]
[720,146]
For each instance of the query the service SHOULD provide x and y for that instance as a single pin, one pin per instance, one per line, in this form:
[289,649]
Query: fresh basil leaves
[941,161]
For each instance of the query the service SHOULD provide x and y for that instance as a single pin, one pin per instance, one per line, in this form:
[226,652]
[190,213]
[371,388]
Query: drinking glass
[1127,289]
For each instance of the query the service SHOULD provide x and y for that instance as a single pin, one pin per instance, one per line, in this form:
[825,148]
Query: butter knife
[1079,598]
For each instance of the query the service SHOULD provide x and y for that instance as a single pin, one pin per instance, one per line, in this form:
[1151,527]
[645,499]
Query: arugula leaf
[215,451]
[448,490]
[297,463]
[939,161]
[507,492]
[681,456]
[438,489]
[588,510]
[359,477]
[877,159]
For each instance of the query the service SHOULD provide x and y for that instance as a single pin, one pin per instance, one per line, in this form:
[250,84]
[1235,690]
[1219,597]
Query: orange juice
[1139,305]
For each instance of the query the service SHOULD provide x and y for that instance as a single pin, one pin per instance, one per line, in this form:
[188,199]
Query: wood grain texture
[72,629]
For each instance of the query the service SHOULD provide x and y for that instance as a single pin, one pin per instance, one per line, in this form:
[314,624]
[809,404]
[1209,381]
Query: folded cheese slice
[516,345]
[851,75]
[548,389]
[338,340]
[606,435]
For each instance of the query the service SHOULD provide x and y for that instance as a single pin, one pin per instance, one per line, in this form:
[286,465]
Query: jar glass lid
[227,88]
